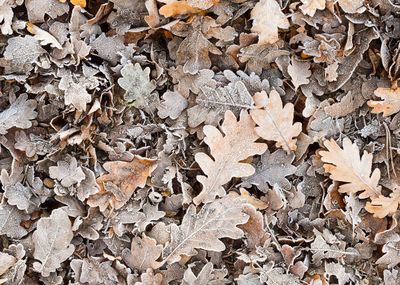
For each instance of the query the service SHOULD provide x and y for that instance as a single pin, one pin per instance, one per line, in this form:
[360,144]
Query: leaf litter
[199,142]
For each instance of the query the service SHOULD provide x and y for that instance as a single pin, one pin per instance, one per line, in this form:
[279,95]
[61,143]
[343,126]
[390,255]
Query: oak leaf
[175,8]
[346,165]
[203,230]
[267,18]
[390,104]
[122,179]
[143,253]
[383,206]
[10,221]
[309,7]
[275,121]
[52,240]
[42,36]
[299,71]
[228,148]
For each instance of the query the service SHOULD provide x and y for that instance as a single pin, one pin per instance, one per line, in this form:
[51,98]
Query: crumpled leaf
[228,148]
[174,8]
[10,222]
[143,253]
[339,271]
[390,103]
[346,165]
[271,275]
[136,82]
[212,103]
[67,172]
[352,6]
[267,27]
[299,71]
[310,7]
[94,271]
[123,178]
[391,256]
[272,168]
[6,261]
[275,122]
[52,241]
[42,36]
[18,115]
[203,277]
[203,230]
[383,206]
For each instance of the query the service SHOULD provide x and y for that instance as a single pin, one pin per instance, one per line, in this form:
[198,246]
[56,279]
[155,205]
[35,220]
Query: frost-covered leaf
[352,6]
[390,103]
[228,149]
[346,165]
[267,27]
[37,9]
[383,206]
[299,71]
[117,187]
[203,277]
[136,82]
[172,105]
[67,172]
[212,103]
[45,38]
[203,230]
[309,7]
[52,241]
[143,253]
[6,261]
[275,121]
[75,92]
[18,115]
[10,222]
[21,52]
[6,16]
[272,168]
[338,270]
[391,256]
[94,271]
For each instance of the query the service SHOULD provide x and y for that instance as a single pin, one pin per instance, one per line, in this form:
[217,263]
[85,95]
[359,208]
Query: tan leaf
[175,8]
[204,229]
[143,253]
[352,6]
[121,181]
[228,149]
[275,122]
[267,18]
[299,71]
[390,104]
[346,165]
[384,206]
[309,7]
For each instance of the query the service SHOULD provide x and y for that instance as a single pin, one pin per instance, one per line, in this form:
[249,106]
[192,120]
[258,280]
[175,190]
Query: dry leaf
[267,26]
[52,241]
[391,255]
[10,222]
[37,9]
[309,7]
[352,6]
[299,71]
[203,277]
[67,172]
[172,105]
[214,102]
[203,230]
[227,149]
[390,104]
[143,253]
[346,165]
[384,206]
[175,8]
[18,115]
[121,181]
[275,122]
[42,36]
[80,3]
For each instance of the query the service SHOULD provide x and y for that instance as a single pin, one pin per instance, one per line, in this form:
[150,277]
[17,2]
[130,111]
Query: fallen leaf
[299,71]
[52,242]
[390,104]
[125,178]
[383,206]
[175,8]
[67,172]
[203,230]
[266,25]
[42,36]
[228,149]
[310,7]
[346,165]
[275,121]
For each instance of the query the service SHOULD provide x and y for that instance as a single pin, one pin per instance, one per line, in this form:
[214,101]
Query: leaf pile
[199,142]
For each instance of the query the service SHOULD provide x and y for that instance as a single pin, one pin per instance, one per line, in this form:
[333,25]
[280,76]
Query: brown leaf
[275,122]
[175,8]
[346,165]
[390,103]
[122,180]
[228,149]
[383,206]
